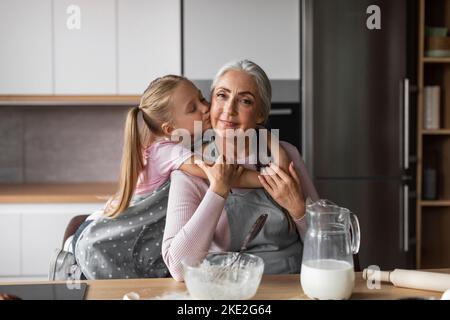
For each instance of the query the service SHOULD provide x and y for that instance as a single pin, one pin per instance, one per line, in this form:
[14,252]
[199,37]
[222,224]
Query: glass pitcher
[331,240]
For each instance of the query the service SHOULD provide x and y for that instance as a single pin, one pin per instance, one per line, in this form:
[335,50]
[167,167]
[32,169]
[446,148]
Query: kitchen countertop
[273,287]
[56,193]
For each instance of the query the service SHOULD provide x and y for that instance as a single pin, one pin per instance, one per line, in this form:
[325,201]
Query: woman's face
[235,102]
[188,106]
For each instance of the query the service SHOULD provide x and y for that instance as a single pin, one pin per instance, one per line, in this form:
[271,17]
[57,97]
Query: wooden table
[273,287]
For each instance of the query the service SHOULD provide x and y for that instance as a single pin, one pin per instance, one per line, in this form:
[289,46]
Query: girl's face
[235,102]
[188,106]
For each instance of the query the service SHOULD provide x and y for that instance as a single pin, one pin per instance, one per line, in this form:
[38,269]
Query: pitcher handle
[356,235]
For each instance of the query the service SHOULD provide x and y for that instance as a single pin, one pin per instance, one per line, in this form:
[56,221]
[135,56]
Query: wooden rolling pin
[413,279]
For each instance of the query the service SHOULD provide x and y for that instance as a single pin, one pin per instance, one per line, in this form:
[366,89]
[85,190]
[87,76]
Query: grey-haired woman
[211,216]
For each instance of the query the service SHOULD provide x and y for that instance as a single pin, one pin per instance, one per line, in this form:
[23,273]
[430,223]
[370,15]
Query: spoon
[254,231]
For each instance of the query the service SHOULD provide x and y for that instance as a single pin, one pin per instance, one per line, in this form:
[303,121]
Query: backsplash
[61,144]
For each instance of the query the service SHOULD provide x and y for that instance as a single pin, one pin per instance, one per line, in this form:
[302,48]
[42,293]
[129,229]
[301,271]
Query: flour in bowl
[216,282]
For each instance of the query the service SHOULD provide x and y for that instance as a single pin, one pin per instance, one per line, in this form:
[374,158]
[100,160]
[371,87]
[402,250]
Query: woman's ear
[167,128]
[260,118]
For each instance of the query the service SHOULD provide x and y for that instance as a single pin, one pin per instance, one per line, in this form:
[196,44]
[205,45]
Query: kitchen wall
[118,48]
[60,144]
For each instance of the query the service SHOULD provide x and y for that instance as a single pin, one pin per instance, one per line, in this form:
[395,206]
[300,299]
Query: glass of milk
[331,239]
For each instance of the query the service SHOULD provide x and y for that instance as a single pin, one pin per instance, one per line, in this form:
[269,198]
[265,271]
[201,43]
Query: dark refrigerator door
[378,205]
[357,79]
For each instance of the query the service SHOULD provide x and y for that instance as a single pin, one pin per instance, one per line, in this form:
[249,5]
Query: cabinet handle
[406,124]
[405,218]
[281,112]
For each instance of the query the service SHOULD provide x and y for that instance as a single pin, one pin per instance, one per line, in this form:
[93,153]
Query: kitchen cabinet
[116,47]
[29,234]
[149,46]
[266,32]
[42,232]
[26,47]
[10,243]
[86,48]
[85,58]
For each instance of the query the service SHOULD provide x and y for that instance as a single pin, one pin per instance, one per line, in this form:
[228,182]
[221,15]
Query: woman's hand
[285,189]
[221,175]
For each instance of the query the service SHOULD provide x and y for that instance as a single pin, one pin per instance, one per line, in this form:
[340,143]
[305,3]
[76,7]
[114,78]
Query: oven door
[286,117]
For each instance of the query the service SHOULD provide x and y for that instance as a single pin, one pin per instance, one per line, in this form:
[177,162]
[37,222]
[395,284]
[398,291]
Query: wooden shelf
[56,192]
[436,60]
[435,203]
[439,132]
[433,146]
[48,100]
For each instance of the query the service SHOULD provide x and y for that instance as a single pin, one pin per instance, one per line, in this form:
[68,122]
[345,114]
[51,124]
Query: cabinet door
[43,229]
[85,58]
[149,42]
[267,32]
[10,243]
[26,47]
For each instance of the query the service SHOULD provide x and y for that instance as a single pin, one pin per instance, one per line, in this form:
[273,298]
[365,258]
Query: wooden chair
[73,226]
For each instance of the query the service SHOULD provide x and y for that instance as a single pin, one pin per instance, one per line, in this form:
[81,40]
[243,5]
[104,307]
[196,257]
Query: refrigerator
[357,69]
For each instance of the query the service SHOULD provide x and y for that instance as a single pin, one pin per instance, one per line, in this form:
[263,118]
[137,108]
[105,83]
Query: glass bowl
[216,278]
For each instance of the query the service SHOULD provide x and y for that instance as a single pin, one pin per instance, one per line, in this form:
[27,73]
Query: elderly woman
[203,217]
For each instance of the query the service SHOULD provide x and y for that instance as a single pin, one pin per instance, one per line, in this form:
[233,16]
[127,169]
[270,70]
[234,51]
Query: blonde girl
[169,103]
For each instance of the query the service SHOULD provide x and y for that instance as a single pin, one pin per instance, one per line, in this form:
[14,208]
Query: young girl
[149,156]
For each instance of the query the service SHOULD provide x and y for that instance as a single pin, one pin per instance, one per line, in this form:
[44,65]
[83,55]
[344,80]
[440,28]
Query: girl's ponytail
[131,167]
[154,106]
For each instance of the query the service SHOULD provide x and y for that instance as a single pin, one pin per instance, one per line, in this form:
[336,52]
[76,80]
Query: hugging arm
[247,178]
[290,188]
[192,218]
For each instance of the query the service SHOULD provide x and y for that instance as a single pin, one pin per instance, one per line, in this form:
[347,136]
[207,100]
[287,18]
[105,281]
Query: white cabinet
[10,243]
[267,32]
[41,234]
[85,47]
[85,58]
[29,234]
[149,43]
[26,47]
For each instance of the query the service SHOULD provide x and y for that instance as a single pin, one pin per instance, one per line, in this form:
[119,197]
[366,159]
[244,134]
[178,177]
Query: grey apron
[128,246]
[280,248]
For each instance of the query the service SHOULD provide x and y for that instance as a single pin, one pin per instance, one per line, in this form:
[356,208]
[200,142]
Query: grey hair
[262,81]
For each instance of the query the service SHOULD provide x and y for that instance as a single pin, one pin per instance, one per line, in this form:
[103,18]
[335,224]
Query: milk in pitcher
[327,279]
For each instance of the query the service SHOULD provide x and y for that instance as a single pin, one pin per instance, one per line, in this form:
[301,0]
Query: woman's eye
[220,95]
[247,101]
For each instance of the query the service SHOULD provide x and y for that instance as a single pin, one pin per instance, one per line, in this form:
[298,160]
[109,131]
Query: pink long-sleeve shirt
[196,221]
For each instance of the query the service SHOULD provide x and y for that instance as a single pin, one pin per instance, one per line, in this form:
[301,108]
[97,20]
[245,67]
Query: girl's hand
[220,175]
[285,189]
